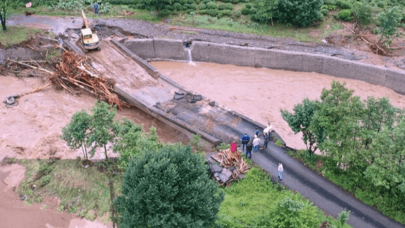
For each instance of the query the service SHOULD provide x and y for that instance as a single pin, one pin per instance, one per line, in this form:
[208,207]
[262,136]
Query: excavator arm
[85,22]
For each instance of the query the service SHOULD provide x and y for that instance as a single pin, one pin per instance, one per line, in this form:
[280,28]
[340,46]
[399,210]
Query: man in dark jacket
[244,139]
[266,140]
[249,147]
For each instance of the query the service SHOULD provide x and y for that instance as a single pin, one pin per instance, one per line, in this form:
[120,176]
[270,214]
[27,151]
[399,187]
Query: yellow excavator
[90,40]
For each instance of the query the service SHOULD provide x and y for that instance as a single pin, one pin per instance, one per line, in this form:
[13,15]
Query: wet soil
[32,129]
[261,93]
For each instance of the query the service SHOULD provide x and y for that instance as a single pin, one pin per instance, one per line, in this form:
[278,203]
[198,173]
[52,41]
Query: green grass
[249,199]
[17,34]
[82,191]
[388,201]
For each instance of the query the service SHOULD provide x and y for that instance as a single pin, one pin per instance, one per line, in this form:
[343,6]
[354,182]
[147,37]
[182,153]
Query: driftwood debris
[233,166]
[376,47]
[70,71]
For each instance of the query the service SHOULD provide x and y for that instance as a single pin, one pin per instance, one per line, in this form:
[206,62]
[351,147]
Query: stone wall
[161,49]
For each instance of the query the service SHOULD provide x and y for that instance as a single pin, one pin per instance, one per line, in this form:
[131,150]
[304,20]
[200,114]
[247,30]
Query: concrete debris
[212,103]
[10,101]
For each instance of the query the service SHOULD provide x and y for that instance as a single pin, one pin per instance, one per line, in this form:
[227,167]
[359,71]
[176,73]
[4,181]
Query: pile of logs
[232,167]
[70,71]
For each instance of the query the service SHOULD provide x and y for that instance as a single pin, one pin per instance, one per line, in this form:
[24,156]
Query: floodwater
[260,93]
[32,129]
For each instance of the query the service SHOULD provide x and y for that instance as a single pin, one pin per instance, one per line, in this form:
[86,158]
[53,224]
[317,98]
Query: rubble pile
[231,167]
[70,72]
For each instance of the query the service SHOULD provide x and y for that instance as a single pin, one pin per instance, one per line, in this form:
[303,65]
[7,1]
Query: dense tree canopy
[168,188]
[298,12]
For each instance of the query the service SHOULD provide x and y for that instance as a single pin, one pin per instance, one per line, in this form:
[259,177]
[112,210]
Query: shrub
[192,6]
[235,1]
[225,13]
[228,6]
[202,6]
[380,5]
[177,180]
[206,1]
[236,14]
[212,12]
[297,12]
[176,6]
[245,11]
[325,12]
[252,11]
[363,13]
[221,7]
[248,6]
[345,15]
[185,6]
[211,5]
[344,4]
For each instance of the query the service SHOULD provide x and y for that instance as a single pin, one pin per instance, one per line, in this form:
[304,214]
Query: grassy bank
[17,34]
[82,191]
[241,24]
[388,201]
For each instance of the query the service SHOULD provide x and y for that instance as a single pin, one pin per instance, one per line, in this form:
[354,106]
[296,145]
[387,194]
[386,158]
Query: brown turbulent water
[261,93]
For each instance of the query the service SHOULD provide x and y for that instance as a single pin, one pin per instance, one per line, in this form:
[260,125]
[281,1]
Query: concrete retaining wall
[275,59]
[157,49]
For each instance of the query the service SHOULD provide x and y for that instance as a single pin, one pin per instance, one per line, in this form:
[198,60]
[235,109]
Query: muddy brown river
[261,93]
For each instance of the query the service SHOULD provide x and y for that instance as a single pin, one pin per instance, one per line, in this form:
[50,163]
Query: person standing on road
[256,143]
[245,140]
[257,132]
[249,147]
[266,140]
[280,171]
[96,8]
[268,129]
[234,146]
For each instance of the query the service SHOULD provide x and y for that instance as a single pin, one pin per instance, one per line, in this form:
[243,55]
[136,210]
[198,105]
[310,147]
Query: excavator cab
[89,39]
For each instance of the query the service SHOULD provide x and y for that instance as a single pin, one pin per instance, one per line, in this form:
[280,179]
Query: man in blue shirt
[244,139]
[96,8]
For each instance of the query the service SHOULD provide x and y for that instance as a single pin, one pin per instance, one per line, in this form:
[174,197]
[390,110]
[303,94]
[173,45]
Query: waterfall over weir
[190,58]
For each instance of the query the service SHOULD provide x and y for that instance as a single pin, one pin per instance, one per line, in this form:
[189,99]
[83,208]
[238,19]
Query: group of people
[249,145]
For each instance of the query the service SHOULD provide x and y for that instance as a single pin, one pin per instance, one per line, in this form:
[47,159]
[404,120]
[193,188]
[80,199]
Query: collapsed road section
[143,86]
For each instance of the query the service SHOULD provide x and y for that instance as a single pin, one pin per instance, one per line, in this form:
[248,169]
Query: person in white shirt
[256,143]
[268,129]
[280,171]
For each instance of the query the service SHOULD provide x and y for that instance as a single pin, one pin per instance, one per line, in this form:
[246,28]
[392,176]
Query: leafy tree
[298,12]
[389,20]
[264,10]
[363,12]
[292,214]
[300,121]
[4,4]
[168,188]
[343,217]
[76,132]
[131,141]
[339,116]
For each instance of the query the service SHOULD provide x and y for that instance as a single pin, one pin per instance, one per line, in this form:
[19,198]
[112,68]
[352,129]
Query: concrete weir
[161,49]
[183,109]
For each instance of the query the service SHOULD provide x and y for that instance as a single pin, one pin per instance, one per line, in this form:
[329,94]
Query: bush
[236,14]
[202,6]
[206,1]
[252,11]
[228,6]
[245,11]
[297,12]
[345,15]
[225,13]
[363,13]
[380,5]
[176,193]
[211,5]
[344,4]
[248,6]
[212,12]
[325,12]
[221,7]
[192,6]
[235,1]
[177,6]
